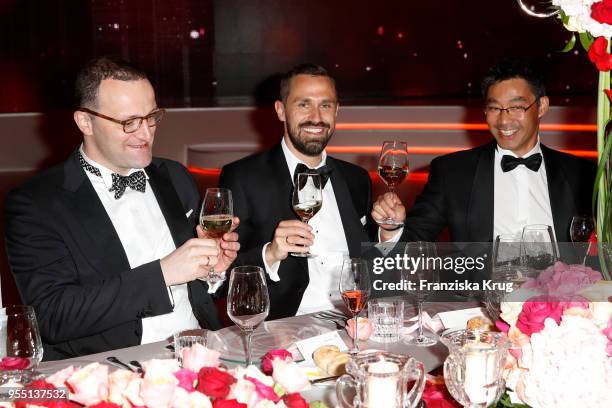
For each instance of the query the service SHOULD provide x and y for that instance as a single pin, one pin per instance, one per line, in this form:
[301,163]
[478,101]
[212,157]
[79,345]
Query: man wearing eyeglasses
[500,187]
[104,246]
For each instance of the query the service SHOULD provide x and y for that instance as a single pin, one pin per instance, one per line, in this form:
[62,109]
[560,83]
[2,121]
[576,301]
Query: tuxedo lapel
[88,210]
[480,209]
[560,194]
[169,204]
[353,229]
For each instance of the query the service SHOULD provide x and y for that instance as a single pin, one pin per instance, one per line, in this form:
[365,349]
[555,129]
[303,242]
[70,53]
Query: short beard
[309,148]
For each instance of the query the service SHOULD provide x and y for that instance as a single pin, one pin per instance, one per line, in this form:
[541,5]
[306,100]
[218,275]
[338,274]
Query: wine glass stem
[249,337]
[355,349]
[420,312]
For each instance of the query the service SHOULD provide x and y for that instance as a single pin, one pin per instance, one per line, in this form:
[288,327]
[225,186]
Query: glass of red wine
[248,302]
[355,289]
[306,200]
[216,219]
[581,228]
[393,169]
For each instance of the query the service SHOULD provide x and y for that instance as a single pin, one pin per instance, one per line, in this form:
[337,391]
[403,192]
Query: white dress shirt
[520,196]
[330,246]
[145,237]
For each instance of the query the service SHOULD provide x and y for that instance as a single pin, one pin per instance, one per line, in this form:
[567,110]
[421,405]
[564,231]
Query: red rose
[598,54]
[266,361]
[14,363]
[294,400]
[602,11]
[214,382]
[535,311]
[228,404]
[42,384]
[593,237]
[105,404]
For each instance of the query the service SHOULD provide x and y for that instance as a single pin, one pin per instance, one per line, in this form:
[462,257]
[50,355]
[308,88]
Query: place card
[459,318]
[309,345]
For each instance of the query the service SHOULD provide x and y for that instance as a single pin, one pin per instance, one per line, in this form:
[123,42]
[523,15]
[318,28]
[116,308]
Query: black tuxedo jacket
[261,187]
[69,263]
[459,195]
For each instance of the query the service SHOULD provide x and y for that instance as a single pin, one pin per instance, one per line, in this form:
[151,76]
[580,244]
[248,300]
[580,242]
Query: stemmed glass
[393,169]
[505,267]
[306,200]
[20,344]
[248,302]
[216,219]
[424,271]
[581,228]
[538,247]
[355,289]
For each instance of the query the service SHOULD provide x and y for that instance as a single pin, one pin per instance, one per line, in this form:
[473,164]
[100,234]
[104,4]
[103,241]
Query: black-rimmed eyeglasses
[132,124]
[514,111]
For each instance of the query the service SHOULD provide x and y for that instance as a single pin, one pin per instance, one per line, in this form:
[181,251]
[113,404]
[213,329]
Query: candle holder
[473,371]
[380,380]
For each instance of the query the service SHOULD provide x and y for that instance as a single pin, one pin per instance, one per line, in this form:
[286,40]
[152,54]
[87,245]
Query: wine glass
[306,200]
[393,169]
[355,289]
[20,344]
[505,267]
[425,255]
[216,219]
[248,302]
[581,228]
[538,247]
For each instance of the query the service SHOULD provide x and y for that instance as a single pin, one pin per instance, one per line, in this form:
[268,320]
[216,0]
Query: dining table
[276,334]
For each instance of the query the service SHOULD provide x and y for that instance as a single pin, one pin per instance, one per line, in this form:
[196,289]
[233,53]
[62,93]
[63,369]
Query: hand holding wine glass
[216,219]
[393,169]
[307,200]
[355,289]
[581,228]
[248,302]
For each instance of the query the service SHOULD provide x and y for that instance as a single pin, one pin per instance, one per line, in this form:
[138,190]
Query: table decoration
[201,382]
[561,327]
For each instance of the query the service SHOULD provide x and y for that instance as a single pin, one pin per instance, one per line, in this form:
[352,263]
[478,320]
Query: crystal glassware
[20,344]
[581,228]
[216,219]
[355,289]
[307,199]
[393,169]
[248,302]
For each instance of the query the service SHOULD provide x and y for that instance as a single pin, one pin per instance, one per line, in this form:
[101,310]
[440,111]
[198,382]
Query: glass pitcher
[381,380]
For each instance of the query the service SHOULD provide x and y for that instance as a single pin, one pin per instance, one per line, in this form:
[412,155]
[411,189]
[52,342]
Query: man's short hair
[302,69]
[510,69]
[95,71]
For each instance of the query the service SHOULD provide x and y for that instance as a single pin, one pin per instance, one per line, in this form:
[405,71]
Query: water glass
[20,345]
[187,338]
[387,319]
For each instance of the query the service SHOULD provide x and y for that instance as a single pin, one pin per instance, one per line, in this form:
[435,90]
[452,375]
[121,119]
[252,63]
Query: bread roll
[338,365]
[324,355]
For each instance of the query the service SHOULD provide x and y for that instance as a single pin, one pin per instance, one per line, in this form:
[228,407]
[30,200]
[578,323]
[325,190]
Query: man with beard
[262,185]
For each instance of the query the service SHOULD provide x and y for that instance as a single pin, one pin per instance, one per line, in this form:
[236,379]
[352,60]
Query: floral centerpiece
[561,326]
[200,382]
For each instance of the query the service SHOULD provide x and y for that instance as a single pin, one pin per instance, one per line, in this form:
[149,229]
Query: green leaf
[570,44]
[317,404]
[604,159]
[586,39]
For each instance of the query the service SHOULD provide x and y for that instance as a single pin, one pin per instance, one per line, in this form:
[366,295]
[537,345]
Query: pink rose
[364,328]
[608,333]
[89,385]
[118,381]
[263,391]
[186,379]
[289,376]
[535,311]
[198,356]
[14,363]
[266,361]
[562,280]
[159,382]
[59,378]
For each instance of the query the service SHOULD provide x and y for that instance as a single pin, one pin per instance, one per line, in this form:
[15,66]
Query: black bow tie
[136,181]
[533,162]
[323,171]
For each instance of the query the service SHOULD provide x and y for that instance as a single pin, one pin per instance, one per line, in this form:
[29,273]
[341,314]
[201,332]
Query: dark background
[228,52]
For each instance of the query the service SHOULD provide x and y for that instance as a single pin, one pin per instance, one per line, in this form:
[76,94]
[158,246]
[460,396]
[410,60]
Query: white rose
[602,311]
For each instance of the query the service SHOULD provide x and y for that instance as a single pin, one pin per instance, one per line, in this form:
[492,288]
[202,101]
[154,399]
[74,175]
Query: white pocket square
[188,213]
[363,220]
